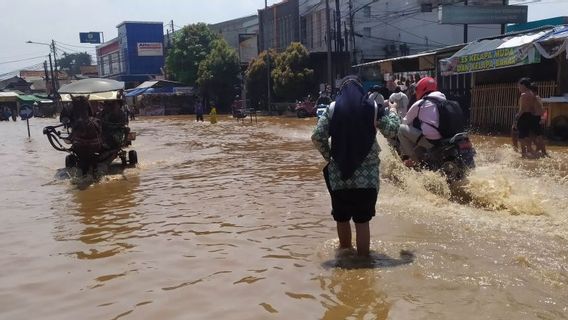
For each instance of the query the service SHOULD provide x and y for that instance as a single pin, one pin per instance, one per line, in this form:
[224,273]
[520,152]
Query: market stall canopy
[495,53]
[8,96]
[32,99]
[158,86]
[422,61]
[93,85]
[554,43]
[99,96]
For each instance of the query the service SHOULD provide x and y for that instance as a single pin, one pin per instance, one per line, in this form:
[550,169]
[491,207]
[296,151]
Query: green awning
[28,98]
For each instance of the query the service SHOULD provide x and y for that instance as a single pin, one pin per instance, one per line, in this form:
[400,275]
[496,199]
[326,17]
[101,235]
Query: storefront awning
[495,53]
[553,44]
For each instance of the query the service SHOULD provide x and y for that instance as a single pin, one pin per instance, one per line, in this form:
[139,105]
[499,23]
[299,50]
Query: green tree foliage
[190,47]
[72,62]
[292,79]
[218,74]
[257,78]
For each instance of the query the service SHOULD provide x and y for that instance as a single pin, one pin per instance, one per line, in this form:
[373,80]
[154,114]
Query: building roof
[139,22]
[453,48]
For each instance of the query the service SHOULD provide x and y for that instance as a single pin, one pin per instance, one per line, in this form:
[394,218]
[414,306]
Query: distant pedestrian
[399,101]
[524,119]
[199,111]
[213,114]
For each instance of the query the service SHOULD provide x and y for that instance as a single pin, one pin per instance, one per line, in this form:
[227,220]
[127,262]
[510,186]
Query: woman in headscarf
[352,172]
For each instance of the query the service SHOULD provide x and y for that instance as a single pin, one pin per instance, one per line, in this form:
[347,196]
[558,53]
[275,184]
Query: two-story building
[136,55]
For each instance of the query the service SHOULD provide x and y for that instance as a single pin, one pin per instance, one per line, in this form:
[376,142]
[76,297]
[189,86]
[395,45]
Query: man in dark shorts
[352,172]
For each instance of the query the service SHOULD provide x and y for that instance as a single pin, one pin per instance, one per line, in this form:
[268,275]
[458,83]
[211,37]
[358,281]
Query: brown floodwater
[231,221]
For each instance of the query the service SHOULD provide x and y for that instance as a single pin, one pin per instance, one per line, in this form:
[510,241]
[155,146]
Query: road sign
[90,37]
[482,14]
[26,112]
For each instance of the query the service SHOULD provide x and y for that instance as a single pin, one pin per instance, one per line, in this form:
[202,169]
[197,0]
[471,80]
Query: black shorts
[524,125]
[356,204]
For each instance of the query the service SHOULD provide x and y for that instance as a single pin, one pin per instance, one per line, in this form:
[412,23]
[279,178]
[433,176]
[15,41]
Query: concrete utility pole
[264,36]
[46,75]
[53,89]
[503,26]
[338,39]
[56,79]
[465,27]
[328,22]
[352,31]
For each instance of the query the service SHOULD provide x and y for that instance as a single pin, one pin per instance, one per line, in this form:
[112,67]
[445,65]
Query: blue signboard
[26,112]
[90,37]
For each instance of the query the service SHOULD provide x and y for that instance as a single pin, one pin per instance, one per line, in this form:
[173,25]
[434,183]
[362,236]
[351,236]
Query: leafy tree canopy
[72,62]
[292,79]
[257,78]
[190,47]
[218,75]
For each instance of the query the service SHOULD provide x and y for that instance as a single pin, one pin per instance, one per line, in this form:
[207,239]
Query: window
[367,12]
[367,32]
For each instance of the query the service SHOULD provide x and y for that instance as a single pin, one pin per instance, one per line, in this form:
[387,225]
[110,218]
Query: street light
[54,78]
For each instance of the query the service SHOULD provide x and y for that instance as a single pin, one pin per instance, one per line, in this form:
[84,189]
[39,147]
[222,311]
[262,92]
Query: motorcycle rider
[418,127]
[375,95]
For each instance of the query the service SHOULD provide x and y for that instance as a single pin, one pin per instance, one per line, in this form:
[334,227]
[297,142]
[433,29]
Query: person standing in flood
[213,114]
[524,120]
[352,172]
[199,111]
[538,121]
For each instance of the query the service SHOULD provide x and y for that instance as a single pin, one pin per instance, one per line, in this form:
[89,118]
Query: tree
[292,79]
[257,78]
[190,47]
[218,74]
[72,62]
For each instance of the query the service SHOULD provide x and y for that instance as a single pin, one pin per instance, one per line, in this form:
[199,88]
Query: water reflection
[106,211]
[354,294]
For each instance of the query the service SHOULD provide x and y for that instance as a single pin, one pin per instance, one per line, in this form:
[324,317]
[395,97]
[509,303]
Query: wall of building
[279,25]
[241,34]
[383,28]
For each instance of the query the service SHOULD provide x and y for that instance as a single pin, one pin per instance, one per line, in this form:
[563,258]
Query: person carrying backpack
[419,128]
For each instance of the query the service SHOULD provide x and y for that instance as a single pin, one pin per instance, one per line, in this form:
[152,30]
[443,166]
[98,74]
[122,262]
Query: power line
[14,61]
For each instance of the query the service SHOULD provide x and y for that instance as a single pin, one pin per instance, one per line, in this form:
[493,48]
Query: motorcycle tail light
[464,145]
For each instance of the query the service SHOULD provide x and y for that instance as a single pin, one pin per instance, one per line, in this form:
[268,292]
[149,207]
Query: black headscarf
[352,127]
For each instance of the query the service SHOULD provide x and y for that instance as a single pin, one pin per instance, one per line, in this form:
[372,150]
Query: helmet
[376,88]
[425,86]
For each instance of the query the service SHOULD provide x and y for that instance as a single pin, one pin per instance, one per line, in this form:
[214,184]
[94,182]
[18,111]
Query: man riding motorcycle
[419,126]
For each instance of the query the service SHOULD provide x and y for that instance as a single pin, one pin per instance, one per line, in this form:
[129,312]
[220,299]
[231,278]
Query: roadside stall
[496,64]
[161,97]
[42,107]
[8,106]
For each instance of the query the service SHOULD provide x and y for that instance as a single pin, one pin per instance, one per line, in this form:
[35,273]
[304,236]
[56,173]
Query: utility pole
[265,36]
[465,26]
[339,40]
[328,23]
[56,79]
[353,58]
[53,90]
[172,26]
[346,36]
[46,74]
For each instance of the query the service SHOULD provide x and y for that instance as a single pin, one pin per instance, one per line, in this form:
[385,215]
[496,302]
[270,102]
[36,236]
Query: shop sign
[489,60]
[150,49]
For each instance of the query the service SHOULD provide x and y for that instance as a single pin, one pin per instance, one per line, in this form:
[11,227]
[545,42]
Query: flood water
[231,221]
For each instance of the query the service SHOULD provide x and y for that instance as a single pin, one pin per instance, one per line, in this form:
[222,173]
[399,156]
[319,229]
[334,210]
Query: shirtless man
[525,116]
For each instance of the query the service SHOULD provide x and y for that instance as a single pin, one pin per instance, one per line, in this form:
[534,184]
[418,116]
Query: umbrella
[92,85]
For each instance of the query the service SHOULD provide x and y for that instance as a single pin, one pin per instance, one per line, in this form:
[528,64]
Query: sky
[62,20]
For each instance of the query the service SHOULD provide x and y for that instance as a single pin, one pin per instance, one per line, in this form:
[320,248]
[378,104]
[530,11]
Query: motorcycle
[454,157]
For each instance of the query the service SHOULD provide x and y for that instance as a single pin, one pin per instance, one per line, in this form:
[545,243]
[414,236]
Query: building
[242,35]
[279,25]
[15,83]
[382,29]
[136,55]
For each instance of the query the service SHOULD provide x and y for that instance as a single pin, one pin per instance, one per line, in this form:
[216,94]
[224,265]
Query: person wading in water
[352,172]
